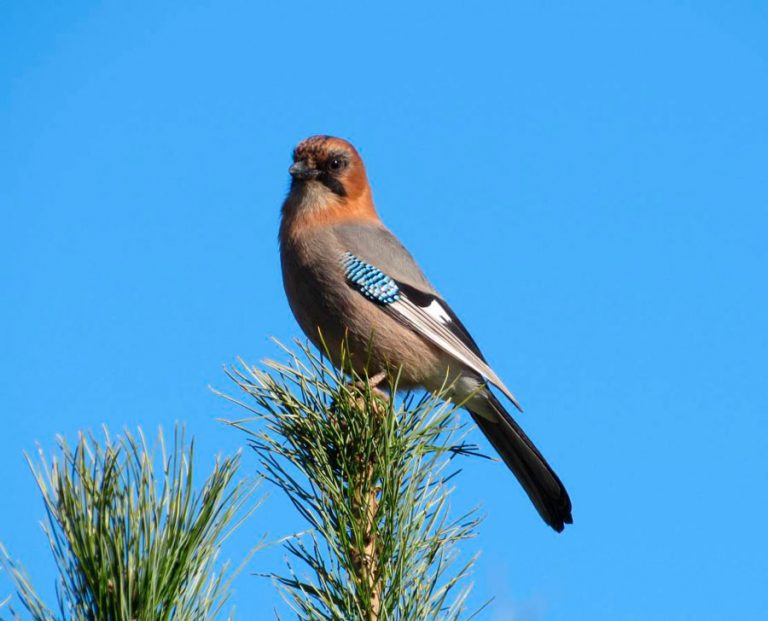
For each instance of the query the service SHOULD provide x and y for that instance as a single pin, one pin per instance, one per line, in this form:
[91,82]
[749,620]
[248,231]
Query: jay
[350,281]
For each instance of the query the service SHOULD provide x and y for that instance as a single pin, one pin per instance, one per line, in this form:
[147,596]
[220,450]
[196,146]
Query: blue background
[584,182]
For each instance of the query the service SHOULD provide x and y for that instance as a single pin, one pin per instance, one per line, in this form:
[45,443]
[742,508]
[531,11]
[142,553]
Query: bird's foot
[357,391]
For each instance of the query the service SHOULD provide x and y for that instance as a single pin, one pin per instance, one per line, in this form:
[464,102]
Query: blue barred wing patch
[369,280]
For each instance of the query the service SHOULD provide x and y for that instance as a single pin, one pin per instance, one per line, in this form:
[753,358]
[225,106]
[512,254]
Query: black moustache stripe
[333,184]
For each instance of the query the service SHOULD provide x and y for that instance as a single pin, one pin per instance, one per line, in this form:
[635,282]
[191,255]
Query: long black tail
[538,479]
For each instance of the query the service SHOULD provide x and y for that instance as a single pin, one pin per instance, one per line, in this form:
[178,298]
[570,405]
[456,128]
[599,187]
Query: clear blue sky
[586,183]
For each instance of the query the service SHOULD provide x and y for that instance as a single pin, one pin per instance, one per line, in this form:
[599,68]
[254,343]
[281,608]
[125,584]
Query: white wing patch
[437,331]
[436,310]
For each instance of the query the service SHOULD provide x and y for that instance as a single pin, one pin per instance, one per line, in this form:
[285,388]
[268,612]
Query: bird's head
[328,181]
[332,163]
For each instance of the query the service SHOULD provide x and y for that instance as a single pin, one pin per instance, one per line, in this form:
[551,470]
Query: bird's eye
[336,164]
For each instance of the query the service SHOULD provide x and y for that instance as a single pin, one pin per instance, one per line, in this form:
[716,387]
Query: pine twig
[132,538]
[370,476]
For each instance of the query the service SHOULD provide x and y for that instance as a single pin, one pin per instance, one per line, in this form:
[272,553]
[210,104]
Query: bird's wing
[422,311]
[374,243]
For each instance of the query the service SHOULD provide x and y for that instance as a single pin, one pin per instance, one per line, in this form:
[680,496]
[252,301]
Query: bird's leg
[374,382]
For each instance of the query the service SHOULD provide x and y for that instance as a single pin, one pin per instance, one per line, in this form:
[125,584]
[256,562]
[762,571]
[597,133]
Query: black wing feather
[424,299]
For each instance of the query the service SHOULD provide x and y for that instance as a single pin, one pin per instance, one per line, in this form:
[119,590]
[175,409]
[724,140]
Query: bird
[351,283]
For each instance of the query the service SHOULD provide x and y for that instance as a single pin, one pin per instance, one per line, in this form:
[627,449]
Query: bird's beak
[300,170]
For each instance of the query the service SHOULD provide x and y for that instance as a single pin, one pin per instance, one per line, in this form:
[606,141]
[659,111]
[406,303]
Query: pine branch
[370,476]
[133,541]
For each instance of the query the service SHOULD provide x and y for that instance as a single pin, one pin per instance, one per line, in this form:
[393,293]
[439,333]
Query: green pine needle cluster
[370,475]
[131,536]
